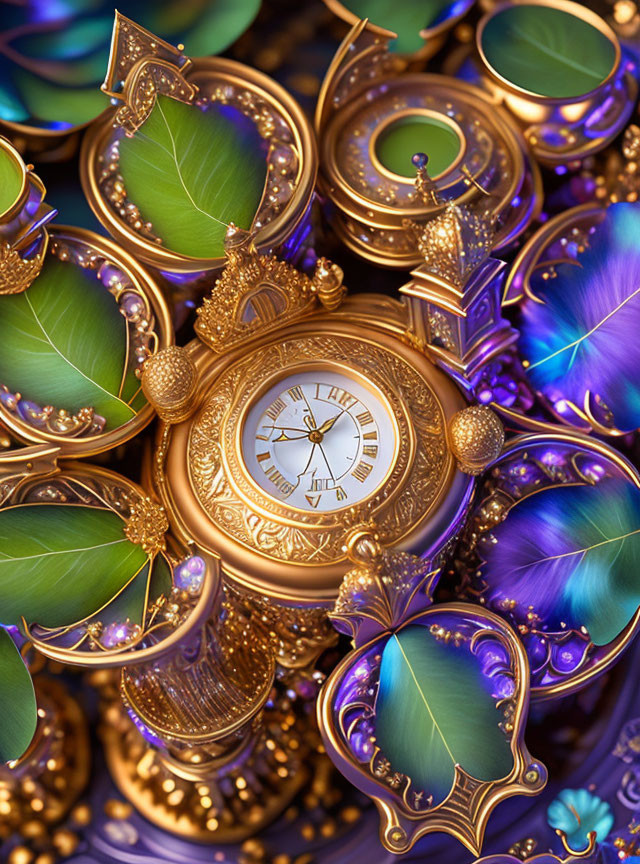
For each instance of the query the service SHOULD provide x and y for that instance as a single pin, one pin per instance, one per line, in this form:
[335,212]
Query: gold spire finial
[455,242]
[425,186]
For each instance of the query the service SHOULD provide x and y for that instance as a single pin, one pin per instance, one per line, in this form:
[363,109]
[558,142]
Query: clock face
[319,440]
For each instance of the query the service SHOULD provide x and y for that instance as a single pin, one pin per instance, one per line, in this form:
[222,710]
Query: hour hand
[284,437]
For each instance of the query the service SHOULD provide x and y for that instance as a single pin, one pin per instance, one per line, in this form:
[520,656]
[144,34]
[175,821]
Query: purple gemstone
[132,304]
[566,656]
[189,575]
[503,687]
[30,412]
[116,633]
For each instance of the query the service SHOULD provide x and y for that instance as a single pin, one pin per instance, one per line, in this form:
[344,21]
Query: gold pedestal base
[204,796]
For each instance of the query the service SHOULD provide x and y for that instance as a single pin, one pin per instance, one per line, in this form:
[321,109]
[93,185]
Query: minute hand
[328,424]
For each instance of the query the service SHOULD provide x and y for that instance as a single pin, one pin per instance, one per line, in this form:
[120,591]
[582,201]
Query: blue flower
[577,812]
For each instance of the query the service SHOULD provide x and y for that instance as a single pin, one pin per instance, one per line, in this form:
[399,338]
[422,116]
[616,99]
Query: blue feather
[585,336]
[570,554]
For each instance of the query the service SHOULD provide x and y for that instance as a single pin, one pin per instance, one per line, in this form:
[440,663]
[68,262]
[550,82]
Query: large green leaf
[547,51]
[60,563]
[10,180]
[63,342]
[191,172]
[404,17]
[18,701]
[434,710]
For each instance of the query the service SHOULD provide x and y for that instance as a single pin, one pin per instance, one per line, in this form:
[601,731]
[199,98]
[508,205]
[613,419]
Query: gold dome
[476,437]
[169,380]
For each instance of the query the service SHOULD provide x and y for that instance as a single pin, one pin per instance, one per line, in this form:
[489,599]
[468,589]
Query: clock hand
[283,437]
[328,424]
[324,456]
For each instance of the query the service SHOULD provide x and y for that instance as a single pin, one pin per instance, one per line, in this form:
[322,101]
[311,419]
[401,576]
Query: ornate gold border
[394,815]
[38,465]
[252,567]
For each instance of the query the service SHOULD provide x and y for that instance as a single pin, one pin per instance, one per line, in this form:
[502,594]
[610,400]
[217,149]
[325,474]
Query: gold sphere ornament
[476,438]
[169,380]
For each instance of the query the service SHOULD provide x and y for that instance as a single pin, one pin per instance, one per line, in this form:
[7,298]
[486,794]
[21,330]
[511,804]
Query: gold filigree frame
[378,229]
[533,111]
[297,555]
[146,287]
[465,812]
[209,75]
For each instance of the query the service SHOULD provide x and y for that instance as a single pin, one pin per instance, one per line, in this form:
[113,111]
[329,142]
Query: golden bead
[476,438]
[20,855]
[169,381]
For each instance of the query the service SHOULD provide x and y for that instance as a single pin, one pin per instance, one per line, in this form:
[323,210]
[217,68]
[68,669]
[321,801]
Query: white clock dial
[319,440]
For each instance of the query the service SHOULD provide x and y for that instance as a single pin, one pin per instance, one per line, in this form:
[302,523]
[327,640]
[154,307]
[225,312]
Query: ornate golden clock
[296,416]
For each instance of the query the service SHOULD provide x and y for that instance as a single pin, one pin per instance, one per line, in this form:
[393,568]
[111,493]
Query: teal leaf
[432,709]
[60,563]
[547,51]
[578,812]
[19,713]
[404,17]
[50,103]
[10,180]
[572,556]
[63,342]
[56,61]
[211,165]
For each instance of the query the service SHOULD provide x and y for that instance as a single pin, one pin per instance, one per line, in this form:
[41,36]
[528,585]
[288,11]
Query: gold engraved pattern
[242,510]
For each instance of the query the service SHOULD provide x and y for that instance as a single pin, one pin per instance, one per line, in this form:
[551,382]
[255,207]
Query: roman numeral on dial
[362,471]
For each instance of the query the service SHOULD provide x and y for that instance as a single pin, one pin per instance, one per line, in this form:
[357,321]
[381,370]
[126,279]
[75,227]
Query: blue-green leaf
[19,716]
[572,556]
[60,563]
[63,342]
[433,709]
[211,165]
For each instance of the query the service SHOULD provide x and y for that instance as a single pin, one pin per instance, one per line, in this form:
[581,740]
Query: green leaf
[60,563]
[547,51]
[209,26]
[10,180]
[404,17]
[154,579]
[434,711]
[191,172]
[19,712]
[63,342]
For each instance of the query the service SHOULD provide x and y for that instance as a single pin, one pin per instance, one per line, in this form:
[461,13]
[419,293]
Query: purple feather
[585,336]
